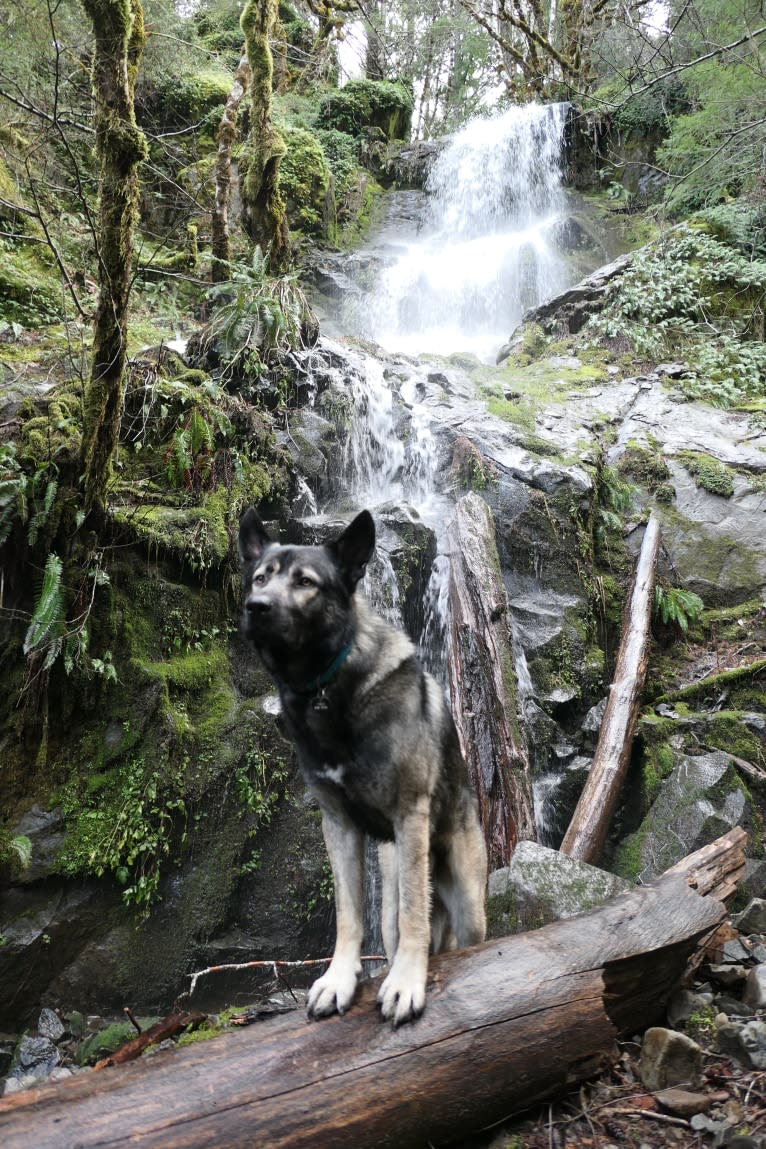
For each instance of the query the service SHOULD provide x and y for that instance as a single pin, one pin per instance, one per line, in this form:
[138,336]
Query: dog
[378,749]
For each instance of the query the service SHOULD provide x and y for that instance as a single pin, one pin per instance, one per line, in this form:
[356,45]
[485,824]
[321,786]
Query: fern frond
[48,615]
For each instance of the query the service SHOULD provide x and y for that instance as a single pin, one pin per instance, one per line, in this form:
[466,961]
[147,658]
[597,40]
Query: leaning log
[483,684]
[507,1023]
[592,818]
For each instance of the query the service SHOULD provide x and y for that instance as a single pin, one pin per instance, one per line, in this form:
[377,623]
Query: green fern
[47,623]
[678,606]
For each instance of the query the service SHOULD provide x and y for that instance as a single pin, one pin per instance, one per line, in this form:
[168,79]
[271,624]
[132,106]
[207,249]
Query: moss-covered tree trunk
[263,208]
[118,27]
[227,134]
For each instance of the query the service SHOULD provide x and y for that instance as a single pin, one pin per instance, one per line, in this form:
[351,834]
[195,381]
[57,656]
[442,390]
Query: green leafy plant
[696,297]
[256,315]
[121,826]
[675,606]
[24,498]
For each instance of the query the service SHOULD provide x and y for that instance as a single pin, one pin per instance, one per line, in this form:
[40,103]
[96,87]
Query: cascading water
[486,250]
[484,255]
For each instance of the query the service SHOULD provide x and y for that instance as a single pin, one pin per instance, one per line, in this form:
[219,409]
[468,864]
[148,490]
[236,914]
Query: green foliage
[256,315]
[647,112]
[121,823]
[257,784]
[15,852]
[46,628]
[675,606]
[739,224]
[50,635]
[713,152]
[694,296]
[195,97]
[368,104]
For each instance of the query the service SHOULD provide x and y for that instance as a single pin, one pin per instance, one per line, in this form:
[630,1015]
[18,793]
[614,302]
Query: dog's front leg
[334,991]
[402,995]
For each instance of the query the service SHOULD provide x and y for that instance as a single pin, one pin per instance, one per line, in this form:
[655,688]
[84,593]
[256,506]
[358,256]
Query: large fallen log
[483,684]
[506,1024]
[592,818]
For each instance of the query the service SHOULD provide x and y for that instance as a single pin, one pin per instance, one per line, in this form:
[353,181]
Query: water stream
[482,254]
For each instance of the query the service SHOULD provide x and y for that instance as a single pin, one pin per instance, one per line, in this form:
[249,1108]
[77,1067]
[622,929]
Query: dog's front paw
[402,996]
[333,992]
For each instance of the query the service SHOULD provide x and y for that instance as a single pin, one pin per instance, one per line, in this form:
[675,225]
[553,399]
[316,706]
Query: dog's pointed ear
[353,549]
[253,536]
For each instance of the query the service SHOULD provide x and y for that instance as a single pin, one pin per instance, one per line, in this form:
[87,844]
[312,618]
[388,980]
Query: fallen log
[483,684]
[593,813]
[507,1023]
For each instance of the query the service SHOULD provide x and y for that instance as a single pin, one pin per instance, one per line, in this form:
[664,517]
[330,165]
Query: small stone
[752,1038]
[733,1007]
[669,1058]
[755,987]
[36,1055]
[758,952]
[733,951]
[752,920]
[11,1085]
[50,1025]
[727,974]
[682,1102]
[60,1072]
[727,1038]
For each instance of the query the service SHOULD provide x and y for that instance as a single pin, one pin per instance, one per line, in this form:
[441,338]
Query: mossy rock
[709,473]
[305,182]
[189,99]
[368,104]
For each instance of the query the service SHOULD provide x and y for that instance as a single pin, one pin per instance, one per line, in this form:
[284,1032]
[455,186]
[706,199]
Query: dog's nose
[258,605]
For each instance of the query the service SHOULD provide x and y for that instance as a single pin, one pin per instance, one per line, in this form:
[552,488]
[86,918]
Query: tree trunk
[227,134]
[118,26]
[506,1024]
[263,209]
[593,814]
[374,57]
[483,682]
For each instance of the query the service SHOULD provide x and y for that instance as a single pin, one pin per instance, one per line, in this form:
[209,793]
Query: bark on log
[590,823]
[506,1024]
[483,683]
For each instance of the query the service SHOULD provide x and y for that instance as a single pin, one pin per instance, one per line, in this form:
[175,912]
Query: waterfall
[485,253]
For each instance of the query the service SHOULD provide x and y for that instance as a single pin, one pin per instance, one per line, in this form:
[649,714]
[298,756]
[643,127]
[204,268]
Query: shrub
[368,104]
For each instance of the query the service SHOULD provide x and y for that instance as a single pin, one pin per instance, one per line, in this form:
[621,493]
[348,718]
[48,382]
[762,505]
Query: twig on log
[167,1027]
[593,814]
[131,1018]
[274,964]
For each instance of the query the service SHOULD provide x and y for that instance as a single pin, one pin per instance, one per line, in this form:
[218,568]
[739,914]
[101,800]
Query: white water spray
[486,252]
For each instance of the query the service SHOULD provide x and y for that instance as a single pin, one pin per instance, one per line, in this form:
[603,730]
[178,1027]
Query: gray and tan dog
[378,748]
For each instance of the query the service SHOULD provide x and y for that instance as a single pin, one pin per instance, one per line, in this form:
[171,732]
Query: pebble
[682,1102]
[669,1058]
[755,987]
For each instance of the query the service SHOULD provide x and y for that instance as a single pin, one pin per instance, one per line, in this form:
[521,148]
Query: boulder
[541,885]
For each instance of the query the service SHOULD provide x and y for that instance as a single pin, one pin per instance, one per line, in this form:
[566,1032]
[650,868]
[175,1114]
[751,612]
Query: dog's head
[299,596]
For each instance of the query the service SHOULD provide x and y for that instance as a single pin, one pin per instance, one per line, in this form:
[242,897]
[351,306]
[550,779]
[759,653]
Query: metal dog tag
[320,702]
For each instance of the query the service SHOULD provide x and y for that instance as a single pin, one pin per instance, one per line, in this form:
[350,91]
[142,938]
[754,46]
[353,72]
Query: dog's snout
[258,604]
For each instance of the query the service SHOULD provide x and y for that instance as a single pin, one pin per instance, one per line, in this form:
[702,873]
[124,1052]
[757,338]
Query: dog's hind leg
[402,995]
[461,884]
[389,875]
[334,991]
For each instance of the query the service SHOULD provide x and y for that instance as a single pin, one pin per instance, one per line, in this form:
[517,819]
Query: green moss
[368,104]
[183,100]
[644,463]
[305,184]
[30,288]
[192,672]
[716,683]
[709,473]
[55,435]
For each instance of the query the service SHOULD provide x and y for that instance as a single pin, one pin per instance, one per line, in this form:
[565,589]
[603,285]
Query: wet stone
[752,1038]
[683,1004]
[37,1056]
[733,1007]
[669,1058]
[727,975]
[733,951]
[50,1025]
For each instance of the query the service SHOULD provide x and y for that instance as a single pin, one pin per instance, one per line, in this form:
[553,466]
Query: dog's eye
[260,579]
[304,580]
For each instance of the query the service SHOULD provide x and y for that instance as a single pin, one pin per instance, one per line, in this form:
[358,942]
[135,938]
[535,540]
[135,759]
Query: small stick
[274,964]
[131,1018]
